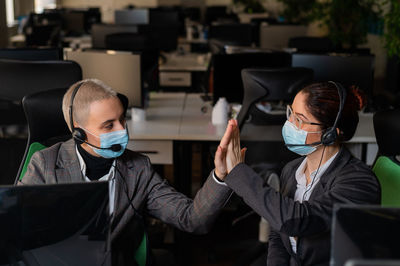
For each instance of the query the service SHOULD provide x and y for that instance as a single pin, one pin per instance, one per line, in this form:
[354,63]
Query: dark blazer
[347,180]
[149,192]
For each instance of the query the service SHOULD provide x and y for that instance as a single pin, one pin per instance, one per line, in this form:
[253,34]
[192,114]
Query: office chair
[312,44]
[19,78]
[387,165]
[274,84]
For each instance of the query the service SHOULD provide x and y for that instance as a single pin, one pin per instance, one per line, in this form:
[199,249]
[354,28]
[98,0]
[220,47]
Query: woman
[300,214]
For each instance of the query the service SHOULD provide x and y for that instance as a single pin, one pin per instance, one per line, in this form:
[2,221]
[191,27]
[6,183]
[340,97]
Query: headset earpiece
[329,137]
[79,135]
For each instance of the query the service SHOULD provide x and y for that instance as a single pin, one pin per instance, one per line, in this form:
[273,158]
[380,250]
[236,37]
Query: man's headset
[330,135]
[78,134]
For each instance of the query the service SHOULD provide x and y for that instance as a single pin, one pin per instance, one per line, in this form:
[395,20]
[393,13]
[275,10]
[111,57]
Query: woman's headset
[330,135]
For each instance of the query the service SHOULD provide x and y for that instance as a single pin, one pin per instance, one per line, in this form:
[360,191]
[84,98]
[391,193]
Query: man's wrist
[218,179]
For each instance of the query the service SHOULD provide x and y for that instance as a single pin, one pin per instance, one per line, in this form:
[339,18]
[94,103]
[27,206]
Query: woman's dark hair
[322,101]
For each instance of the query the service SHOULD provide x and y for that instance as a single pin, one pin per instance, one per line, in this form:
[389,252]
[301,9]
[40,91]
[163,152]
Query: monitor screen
[347,69]
[364,232]
[74,23]
[234,33]
[31,54]
[120,70]
[164,16]
[132,16]
[100,31]
[60,224]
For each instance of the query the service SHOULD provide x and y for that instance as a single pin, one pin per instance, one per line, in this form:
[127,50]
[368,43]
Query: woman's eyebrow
[300,114]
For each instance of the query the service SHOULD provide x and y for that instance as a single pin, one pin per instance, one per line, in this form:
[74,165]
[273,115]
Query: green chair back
[34,147]
[141,252]
[388,173]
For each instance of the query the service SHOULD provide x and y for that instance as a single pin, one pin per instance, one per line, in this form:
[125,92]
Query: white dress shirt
[304,191]
[110,177]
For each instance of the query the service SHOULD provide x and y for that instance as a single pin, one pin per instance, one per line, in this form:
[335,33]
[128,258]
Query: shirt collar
[301,177]
[110,175]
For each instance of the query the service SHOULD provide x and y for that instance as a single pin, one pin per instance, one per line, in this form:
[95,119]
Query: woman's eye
[110,126]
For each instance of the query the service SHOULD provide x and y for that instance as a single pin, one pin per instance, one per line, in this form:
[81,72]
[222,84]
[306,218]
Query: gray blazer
[347,180]
[149,192]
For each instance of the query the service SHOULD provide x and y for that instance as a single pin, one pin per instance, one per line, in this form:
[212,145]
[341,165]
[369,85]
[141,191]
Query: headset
[78,134]
[330,135]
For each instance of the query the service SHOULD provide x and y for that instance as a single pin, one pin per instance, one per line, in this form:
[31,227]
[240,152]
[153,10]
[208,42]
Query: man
[95,116]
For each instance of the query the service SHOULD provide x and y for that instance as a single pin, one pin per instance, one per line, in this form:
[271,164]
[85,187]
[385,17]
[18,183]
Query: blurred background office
[176,60]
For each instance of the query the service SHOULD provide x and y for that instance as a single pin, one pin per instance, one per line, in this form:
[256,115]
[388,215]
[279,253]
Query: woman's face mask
[297,137]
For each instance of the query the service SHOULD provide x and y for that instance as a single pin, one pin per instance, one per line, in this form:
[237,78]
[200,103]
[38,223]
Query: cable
[316,174]
[127,192]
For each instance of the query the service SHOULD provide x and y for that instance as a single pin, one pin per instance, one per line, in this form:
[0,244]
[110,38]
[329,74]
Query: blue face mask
[293,135]
[108,139]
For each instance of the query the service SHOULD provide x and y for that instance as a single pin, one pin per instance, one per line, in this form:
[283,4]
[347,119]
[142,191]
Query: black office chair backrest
[273,84]
[43,111]
[20,78]
[387,131]
[227,80]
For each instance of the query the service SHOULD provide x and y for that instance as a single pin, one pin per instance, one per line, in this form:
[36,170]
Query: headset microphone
[302,145]
[114,147]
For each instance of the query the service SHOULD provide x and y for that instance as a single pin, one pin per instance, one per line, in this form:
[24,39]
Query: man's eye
[110,126]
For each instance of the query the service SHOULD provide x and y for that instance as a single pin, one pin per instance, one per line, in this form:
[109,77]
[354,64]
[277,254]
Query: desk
[176,120]
[183,70]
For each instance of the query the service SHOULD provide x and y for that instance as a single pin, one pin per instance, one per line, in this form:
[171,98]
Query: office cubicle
[119,70]
[278,36]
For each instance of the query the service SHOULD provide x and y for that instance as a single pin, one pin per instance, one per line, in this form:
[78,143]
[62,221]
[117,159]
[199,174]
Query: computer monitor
[59,224]
[234,33]
[119,70]
[364,232]
[227,71]
[74,23]
[31,54]
[100,31]
[164,16]
[132,16]
[347,69]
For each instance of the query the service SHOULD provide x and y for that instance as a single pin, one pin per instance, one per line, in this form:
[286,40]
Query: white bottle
[220,112]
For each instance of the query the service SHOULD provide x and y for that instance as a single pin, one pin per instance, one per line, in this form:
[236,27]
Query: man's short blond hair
[90,90]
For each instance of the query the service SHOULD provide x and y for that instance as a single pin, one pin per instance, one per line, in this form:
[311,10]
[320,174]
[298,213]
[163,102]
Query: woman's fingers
[243,153]
[227,135]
